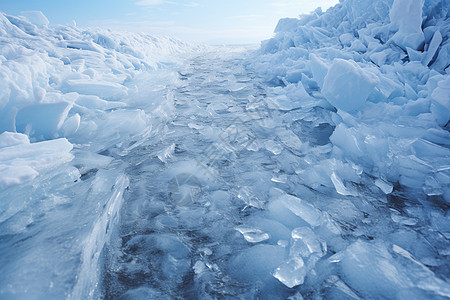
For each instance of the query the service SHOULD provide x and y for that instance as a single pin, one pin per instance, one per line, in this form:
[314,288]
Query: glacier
[315,166]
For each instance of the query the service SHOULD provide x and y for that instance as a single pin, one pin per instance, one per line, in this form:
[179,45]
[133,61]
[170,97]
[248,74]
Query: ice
[346,39]
[24,161]
[406,17]
[103,89]
[273,147]
[143,293]
[386,187]
[369,269]
[305,242]
[257,263]
[71,125]
[253,235]
[318,68]
[441,101]
[87,281]
[340,187]
[347,86]
[298,207]
[13,175]
[136,166]
[291,273]
[95,102]
[432,48]
[42,121]
[8,139]
[289,139]
[36,17]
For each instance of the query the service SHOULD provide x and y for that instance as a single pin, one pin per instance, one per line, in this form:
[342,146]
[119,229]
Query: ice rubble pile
[66,95]
[383,66]
[62,82]
[366,87]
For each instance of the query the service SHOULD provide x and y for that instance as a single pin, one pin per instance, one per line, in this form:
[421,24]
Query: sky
[200,21]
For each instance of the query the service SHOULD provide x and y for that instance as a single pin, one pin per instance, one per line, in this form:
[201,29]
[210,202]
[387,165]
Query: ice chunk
[71,125]
[88,276]
[94,102]
[275,230]
[247,195]
[86,161]
[42,121]
[347,86]
[256,263]
[406,17]
[358,46]
[22,162]
[284,103]
[286,24]
[305,243]
[36,17]
[318,68]
[441,101]
[337,289]
[346,39]
[442,59]
[386,187]
[432,48]
[379,57]
[301,209]
[292,272]
[369,269]
[103,89]
[253,235]
[8,139]
[273,147]
[289,139]
[13,175]
[340,186]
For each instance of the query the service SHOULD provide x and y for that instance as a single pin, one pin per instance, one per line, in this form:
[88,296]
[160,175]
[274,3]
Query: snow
[318,166]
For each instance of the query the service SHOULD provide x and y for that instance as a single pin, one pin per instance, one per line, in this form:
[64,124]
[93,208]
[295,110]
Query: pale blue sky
[204,21]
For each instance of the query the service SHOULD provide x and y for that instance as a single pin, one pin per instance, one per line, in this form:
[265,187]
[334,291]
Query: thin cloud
[192,4]
[149,2]
[247,17]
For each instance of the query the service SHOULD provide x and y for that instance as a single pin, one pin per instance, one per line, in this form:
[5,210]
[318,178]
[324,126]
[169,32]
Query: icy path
[216,207]
[193,187]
